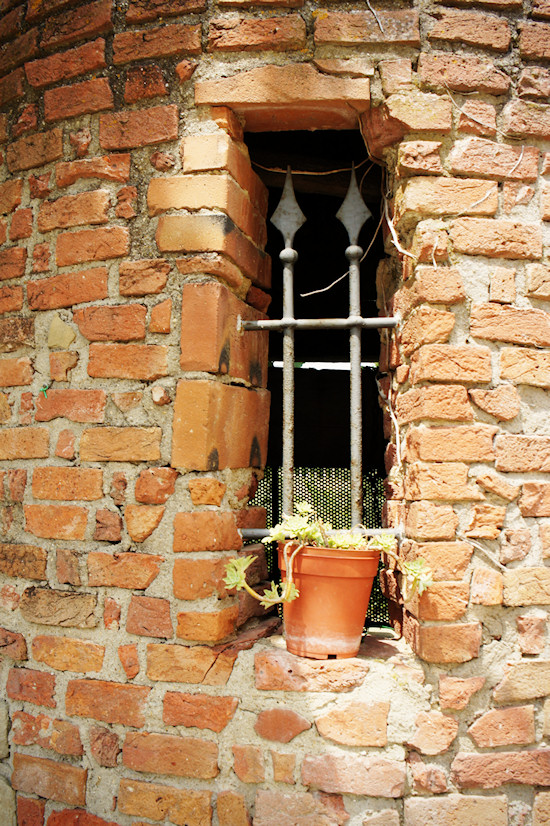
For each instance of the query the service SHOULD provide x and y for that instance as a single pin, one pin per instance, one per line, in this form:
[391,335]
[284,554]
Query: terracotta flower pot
[328,617]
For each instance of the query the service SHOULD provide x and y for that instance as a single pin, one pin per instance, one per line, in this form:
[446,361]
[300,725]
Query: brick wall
[134,416]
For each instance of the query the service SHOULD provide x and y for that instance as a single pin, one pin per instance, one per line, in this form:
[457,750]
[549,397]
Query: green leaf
[235,571]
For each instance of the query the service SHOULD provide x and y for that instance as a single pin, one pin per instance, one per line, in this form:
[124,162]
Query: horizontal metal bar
[260,533]
[318,323]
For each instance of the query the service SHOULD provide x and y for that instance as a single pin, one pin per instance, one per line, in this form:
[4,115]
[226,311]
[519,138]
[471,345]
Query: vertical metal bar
[353,254]
[288,257]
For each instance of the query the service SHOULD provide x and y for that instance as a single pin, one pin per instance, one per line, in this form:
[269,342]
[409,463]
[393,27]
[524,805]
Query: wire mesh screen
[327,489]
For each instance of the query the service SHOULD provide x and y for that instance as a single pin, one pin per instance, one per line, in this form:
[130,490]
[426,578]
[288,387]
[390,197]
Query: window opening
[322,361]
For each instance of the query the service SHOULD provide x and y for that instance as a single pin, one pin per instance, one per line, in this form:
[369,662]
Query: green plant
[305,528]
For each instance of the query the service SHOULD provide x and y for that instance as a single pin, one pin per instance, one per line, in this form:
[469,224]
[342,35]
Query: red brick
[67,566]
[534,82]
[165,803]
[104,746]
[155,485]
[128,656]
[11,23]
[67,483]
[207,626]
[125,570]
[65,654]
[12,263]
[68,289]
[56,521]
[77,24]
[434,732]
[111,613]
[248,763]
[206,531]
[449,643]
[39,186]
[65,447]
[456,692]
[149,617]
[12,645]
[120,323]
[74,210]
[107,701]
[478,118]
[272,33]
[490,771]
[504,727]
[35,150]
[354,774]
[496,238]
[227,409]
[143,277]
[141,11]
[352,28]
[12,86]
[199,578]
[198,711]
[473,28]
[66,65]
[441,402]
[127,130]
[281,671]
[89,96]
[143,83]
[525,119]
[533,40]
[77,817]
[476,156]
[167,754]
[24,443]
[55,781]
[15,372]
[30,812]
[21,225]
[18,50]
[81,140]
[165,41]
[138,361]
[161,317]
[61,363]
[92,245]
[58,735]
[76,405]
[108,168]
[10,195]
[179,663]
[120,444]
[456,810]
[29,686]
[11,298]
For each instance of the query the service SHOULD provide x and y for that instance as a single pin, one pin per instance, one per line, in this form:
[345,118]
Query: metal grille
[328,490]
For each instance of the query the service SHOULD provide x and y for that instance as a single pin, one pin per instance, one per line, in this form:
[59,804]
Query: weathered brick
[456,692]
[167,754]
[456,810]
[198,711]
[355,724]
[525,366]
[67,483]
[66,65]
[502,402]
[496,238]
[498,485]
[450,643]
[54,781]
[21,225]
[77,24]
[351,774]
[179,663]
[227,409]
[135,361]
[504,727]
[125,570]
[10,195]
[125,322]
[396,75]
[478,118]
[15,372]
[127,130]
[143,83]
[120,444]
[522,453]
[76,405]
[12,263]
[58,735]
[486,521]
[439,480]
[447,560]
[66,654]
[86,97]
[108,168]
[12,86]
[149,617]
[272,33]
[441,402]
[67,567]
[35,150]
[489,771]
[231,809]
[531,634]
[434,732]
[521,118]
[165,803]
[535,499]
[18,50]
[207,626]
[472,27]
[526,680]
[467,443]
[206,531]
[526,586]
[26,561]
[534,82]
[420,197]
[352,28]
[205,491]
[67,289]
[419,158]
[533,40]
[68,609]
[30,811]
[107,701]
[165,41]
[29,686]
[447,363]
[92,245]
[437,285]
[142,520]
[248,763]
[12,645]
[161,317]
[143,277]
[74,210]
[199,578]
[462,73]
[477,156]
[56,521]
[281,671]
[141,11]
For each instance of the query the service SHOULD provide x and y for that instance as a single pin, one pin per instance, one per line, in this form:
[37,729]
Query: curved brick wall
[134,415]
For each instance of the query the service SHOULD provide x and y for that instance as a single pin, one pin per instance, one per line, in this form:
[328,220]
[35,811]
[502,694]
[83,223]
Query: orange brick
[35,150]
[29,686]
[143,83]
[179,663]
[352,28]
[167,754]
[461,73]
[125,570]
[15,372]
[92,245]
[21,225]
[68,289]
[477,156]
[56,521]
[24,443]
[143,277]
[59,735]
[74,210]
[127,130]
[526,119]
[125,322]
[66,65]
[66,654]
[154,486]
[120,444]
[199,711]
[199,578]
[496,238]
[107,701]
[149,617]
[10,195]
[86,97]
[165,41]
[423,196]
[54,781]
[272,33]
[533,40]
[12,263]
[206,531]
[135,361]
[450,643]
[76,405]
[25,561]
[108,168]
[67,483]
[437,402]
[226,409]
[472,27]
[61,362]
[161,317]
[160,802]
[207,626]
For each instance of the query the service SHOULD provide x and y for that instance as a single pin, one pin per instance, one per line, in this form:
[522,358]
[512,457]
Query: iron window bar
[288,218]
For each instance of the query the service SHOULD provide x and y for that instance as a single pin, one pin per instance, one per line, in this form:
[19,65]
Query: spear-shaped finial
[354,212]
[288,217]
